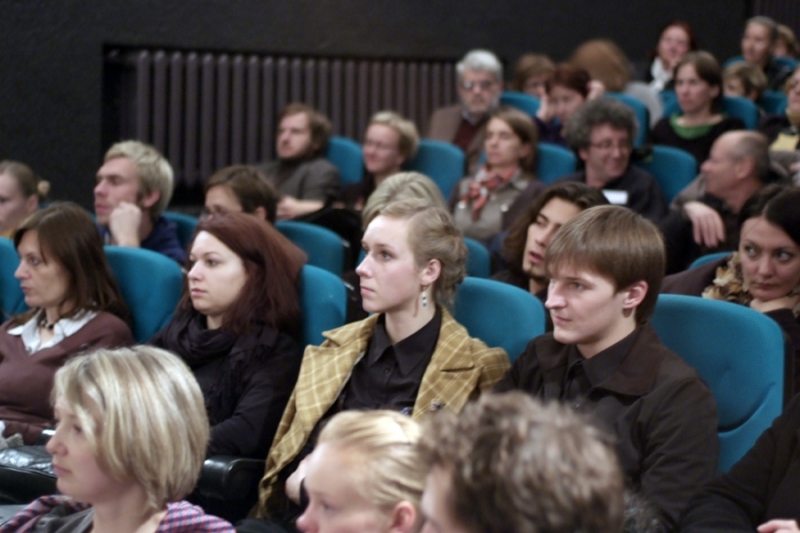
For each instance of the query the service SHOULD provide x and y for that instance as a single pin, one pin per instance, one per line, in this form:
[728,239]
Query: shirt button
[386,371]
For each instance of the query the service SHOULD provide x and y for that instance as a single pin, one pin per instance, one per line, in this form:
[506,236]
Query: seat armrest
[226,477]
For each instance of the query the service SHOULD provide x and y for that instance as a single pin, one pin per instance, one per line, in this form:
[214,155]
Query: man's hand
[292,488]
[779,526]
[123,223]
[707,225]
[290,207]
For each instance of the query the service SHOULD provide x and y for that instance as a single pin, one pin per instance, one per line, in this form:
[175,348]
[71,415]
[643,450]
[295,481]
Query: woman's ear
[404,518]
[431,272]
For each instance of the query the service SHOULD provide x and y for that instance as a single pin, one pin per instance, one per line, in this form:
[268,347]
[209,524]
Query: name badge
[616,197]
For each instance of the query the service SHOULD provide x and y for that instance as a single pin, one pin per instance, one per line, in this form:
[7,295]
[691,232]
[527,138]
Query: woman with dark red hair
[236,327]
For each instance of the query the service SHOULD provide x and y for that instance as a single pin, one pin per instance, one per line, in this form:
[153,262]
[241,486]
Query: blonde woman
[129,444]
[365,474]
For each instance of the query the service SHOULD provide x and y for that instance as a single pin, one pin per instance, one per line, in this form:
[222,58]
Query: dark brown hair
[571,77]
[251,188]
[528,66]
[320,126]
[779,205]
[708,70]
[68,236]
[573,192]
[614,242]
[269,296]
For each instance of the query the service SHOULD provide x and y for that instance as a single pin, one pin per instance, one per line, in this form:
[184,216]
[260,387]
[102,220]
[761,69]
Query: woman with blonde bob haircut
[367,466]
[129,444]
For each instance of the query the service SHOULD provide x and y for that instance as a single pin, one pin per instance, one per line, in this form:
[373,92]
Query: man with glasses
[480,84]
[601,133]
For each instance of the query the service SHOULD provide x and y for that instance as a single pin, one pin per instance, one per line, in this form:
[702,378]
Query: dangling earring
[424,298]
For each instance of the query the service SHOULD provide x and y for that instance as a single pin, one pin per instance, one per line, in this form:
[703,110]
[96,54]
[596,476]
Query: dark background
[51,63]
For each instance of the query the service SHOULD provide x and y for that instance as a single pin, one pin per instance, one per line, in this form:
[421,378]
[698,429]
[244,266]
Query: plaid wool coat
[461,368]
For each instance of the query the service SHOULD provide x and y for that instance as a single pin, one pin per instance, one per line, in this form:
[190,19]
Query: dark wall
[52,59]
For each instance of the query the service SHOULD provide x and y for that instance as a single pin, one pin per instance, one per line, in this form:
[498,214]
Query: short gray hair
[754,145]
[597,113]
[481,61]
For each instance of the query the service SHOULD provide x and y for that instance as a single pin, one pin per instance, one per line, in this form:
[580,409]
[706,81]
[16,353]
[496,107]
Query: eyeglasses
[610,145]
[483,85]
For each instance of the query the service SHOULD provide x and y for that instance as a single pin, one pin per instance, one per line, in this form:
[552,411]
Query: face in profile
[770,260]
[294,137]
[552,216]
[504,149]
[117,182]
[720,169]
[391,281]
[335,503]
[793,92]
[43,280]
[608,154]
[586,308]
[215,279]
[479,91]
[75,464]
[381,150]
[672,46]
[14,207]
[565,102]
[694,93]
[756,44]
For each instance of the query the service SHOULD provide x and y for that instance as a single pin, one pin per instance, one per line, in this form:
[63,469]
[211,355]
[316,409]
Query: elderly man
[134,186]
[508,463]
[601,133]
[758,46]
[305,179]
[703,217]
[480,83]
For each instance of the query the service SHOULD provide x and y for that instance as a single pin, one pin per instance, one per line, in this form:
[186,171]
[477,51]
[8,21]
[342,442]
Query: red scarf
[482,186]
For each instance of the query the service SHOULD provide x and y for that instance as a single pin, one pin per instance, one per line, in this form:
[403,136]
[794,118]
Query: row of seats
[748,386]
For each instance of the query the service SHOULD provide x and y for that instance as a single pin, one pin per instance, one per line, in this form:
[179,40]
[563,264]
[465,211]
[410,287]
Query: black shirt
[388,376]
[583,374]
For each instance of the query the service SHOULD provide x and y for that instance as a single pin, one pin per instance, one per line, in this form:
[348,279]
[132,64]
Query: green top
[691,132]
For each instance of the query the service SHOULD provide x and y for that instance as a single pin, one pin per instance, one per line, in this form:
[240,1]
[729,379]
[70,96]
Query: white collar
[29,331]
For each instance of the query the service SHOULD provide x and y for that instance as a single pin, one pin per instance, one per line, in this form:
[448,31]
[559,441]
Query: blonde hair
[432,234]
[409,136]
[401,186]
[143,415]
[385,443]
[152,169]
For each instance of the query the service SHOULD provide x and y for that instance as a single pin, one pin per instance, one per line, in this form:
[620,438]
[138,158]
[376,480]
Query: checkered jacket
[181,517]
[460,368]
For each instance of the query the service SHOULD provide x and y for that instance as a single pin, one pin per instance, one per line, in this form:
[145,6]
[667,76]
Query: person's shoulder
[320,164]
[693,281]
[183,517]
[641,175]
[729,123]
[446,111]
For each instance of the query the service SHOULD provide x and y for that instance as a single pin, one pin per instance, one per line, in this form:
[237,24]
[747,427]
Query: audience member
[758,47]
[234,328]
[129,444]
[783,130]
[745,80]
[480,84]
[607,63]
[390,141]
[760,492]
[764,273]
[703,217]
[134,187]
[698,86]
[531,72]
[675,40]
[604,358]
[20,193]
[410,355]
[786,44]
[240,189]
[567,89]
[601,133]
[74,305]
[508,463]
[488,202]
[529,236]
[365,466]
[305,179]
